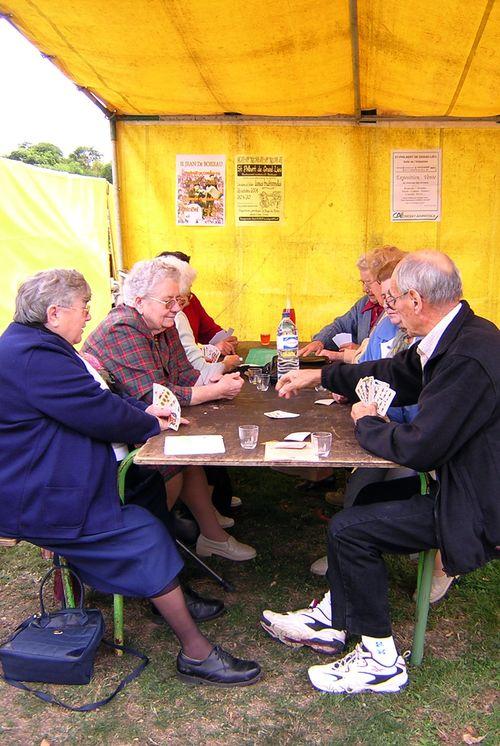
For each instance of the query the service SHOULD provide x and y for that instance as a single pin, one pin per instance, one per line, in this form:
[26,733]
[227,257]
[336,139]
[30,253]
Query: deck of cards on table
[372,391]
[163,397]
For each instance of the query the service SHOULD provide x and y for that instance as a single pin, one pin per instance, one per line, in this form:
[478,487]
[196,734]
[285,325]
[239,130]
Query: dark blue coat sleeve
[60,387]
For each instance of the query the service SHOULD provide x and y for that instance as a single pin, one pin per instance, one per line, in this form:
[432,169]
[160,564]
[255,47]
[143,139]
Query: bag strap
[51,699]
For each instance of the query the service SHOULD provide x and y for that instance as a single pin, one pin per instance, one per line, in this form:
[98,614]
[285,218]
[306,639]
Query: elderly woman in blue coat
[59,426]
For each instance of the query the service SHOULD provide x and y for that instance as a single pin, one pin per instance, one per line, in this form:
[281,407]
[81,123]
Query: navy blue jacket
[57,467]
[456,431]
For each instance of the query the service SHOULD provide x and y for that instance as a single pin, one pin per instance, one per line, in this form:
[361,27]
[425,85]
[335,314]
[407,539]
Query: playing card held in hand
[163,397]
[372,391]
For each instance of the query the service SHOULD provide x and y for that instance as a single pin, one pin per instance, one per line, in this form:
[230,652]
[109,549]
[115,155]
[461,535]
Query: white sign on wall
[416,185]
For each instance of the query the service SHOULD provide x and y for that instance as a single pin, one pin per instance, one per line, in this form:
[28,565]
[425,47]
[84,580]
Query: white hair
[51,287]
[187,272]
[143,276]
[432,274]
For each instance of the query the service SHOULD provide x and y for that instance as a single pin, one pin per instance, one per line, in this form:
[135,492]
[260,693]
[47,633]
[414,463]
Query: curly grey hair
[50,287]
[432,274]
[143,276]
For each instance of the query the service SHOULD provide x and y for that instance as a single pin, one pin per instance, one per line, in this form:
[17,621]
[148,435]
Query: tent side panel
[337,204]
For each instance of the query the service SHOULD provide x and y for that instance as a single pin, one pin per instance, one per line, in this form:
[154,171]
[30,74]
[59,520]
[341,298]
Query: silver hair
[143,276]
[187,272]
[432,274]
[51,287]
[376,258]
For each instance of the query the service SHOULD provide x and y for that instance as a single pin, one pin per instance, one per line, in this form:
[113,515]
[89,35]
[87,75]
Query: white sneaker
[320,566]
[311,627]
[236,502]
[223,520]
[359,672]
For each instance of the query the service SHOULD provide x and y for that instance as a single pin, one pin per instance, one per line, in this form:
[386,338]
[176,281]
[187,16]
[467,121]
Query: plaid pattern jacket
[136,358]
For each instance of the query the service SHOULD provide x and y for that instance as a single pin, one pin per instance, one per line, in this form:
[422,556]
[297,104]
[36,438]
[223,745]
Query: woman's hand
[230,362]
[229,385]
[313,348]
[228,346]
[334,356]
[162,414]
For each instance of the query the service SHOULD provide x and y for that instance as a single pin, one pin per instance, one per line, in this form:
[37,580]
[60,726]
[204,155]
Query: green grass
[451,694]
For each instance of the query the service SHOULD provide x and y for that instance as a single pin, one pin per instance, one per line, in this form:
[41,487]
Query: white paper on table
[280,414]
[297,436]
[326,402]
[272,453]
[185,445]
[221,336]
[291,445]
[342,339]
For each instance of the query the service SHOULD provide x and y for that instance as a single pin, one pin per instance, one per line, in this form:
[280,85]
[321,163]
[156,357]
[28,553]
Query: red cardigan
[203,325]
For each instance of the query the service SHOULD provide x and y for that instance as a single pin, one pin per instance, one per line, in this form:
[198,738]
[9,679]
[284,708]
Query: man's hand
[360,409]
[290,383]
[162,414]
[339,398]
[228,346]
[229,385]
[313,348]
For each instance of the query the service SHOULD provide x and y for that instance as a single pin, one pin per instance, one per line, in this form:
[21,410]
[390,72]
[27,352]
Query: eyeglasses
[390,300]
[84,309]
[368,283]
[170,302]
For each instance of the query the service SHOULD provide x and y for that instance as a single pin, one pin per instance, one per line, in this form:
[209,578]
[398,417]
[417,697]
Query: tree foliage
[84,160]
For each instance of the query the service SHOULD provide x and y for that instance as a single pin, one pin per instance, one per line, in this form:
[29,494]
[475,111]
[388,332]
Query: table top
[223,417]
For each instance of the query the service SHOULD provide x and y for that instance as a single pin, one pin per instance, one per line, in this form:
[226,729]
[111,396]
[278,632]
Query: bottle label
[287,343]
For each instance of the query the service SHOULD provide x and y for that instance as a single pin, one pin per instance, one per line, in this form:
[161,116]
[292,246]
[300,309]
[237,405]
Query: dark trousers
[392,520]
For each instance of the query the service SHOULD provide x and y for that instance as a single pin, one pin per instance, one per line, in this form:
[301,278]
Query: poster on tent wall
[259,189]
[416,185]
[201,189]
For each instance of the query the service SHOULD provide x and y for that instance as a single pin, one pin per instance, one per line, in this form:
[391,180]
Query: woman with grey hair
[209,371]
[138,344]
[59,471]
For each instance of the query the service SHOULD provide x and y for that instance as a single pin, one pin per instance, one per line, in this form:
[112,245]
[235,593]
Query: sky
[39,104]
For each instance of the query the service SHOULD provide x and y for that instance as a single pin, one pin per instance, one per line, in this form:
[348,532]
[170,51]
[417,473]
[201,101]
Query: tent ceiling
[274,58]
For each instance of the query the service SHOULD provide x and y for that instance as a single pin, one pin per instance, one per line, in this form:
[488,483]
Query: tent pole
[353,23]
[116,186]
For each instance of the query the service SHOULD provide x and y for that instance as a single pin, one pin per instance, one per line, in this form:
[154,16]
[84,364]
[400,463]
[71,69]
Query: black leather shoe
[219,669]
[201,609]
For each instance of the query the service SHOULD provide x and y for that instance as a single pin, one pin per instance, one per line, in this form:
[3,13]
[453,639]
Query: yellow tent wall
[51,219]
[337,205]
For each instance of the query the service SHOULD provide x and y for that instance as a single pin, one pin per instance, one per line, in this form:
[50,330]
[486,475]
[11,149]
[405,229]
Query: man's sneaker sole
[334,647]
[392,688]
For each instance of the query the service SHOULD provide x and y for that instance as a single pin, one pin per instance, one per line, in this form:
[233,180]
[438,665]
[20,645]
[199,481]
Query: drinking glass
[263,381]
[322,444]
[265,339]
[252,374]
[249,435]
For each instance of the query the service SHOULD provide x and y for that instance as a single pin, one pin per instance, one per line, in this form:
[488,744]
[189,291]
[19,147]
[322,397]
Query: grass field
[451,698]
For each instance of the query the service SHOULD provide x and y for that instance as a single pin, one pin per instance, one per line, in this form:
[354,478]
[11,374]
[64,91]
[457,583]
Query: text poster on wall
[259,189]
[416,185]
[201,189]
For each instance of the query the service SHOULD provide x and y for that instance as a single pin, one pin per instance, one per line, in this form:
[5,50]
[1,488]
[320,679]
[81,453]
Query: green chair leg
[69,596]
[117,598]
[424,582]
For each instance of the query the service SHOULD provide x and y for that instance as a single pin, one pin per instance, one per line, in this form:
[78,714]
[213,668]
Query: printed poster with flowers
[201,189]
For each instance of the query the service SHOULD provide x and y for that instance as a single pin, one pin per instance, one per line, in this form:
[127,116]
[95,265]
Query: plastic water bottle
[287,345]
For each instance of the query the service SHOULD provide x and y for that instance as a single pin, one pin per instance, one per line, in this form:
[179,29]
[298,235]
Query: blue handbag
[59,647]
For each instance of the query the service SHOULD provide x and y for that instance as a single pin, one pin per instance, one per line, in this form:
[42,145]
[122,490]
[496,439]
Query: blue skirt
[138,559]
